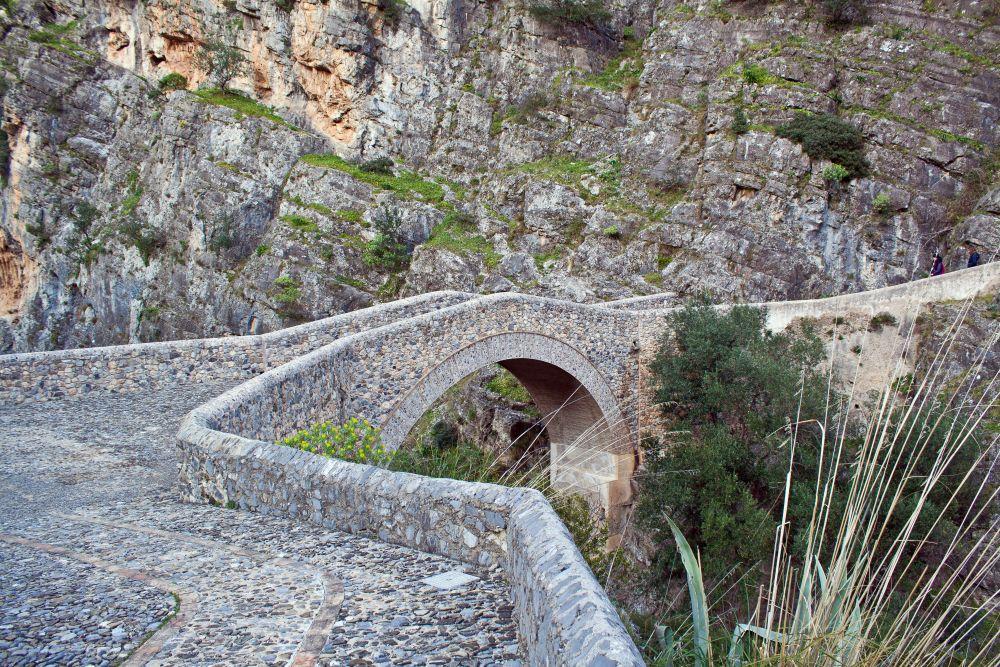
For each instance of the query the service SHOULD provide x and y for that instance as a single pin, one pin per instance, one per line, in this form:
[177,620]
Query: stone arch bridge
[582,364]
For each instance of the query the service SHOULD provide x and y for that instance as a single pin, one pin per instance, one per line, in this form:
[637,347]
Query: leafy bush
[222,236]
[882,204]
[519,113]
[144,239]
[883,319]
[581,12]
[612,231]
[740,123]
[835,173]
[289,290]
[355,440]
[827,137]
[757,75]
[380,165]
[444,434]
[392,11]
[728,389]
[844,12]
[387,249]
[174,81]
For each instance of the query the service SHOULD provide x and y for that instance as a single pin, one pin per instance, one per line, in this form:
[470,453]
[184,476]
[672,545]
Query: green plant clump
[880,320]
[835,173]
[392,11]
[173,81]
[840,13]
[505,384]
[407,184]
[379,165]
[289,290]
[355,440]
[243,105]
[519,113]
[55,36]
[387,249]
[300,223]
[740,124]
[458,233]
[623,72]
[144,239]
[882,204]
[827,137]
[728,388]
[580,12]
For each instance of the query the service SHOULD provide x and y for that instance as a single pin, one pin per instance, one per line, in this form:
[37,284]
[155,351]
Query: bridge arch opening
[589,448]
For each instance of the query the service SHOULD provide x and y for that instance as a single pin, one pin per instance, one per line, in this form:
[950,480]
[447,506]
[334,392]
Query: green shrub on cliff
[581,12]
[827,137]
[387,249]
[173,81]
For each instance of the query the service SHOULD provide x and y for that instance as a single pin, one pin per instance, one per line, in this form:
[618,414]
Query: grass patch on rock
[405,183]
[458,233]
[243,105]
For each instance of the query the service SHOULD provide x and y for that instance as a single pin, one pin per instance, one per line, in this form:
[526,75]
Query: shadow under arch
[590,448]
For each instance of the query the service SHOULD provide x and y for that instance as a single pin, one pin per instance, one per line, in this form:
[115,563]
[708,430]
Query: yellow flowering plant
[355,440]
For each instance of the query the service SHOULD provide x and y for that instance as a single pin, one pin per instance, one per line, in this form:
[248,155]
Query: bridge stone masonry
[582,364]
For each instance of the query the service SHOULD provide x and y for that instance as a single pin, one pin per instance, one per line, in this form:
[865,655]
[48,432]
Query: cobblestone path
[99,564]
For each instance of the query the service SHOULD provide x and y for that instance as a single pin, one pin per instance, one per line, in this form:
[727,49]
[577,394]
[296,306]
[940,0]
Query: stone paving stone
[94,475]
[56,610]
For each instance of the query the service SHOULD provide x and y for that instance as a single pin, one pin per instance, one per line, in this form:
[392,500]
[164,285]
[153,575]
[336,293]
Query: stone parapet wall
[947,287]
[899,300]
[563,615]
[130,368]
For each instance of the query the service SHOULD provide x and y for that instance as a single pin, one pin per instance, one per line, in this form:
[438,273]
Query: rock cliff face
[587,161]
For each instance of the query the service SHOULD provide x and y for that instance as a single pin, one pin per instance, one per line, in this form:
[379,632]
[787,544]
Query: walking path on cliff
[96,554]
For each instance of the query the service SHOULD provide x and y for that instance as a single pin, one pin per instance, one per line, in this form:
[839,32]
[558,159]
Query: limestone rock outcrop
[585,161]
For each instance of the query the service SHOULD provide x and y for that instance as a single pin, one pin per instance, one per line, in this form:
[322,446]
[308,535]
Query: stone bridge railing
[142,366]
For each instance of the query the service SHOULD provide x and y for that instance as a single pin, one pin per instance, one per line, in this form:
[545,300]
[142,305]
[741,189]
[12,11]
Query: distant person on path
[973,256]
[938,268]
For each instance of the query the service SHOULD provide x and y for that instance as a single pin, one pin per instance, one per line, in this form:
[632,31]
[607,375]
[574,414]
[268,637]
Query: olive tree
[222,61]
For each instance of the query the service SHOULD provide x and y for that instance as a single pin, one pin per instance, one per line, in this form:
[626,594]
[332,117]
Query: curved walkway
[99,563]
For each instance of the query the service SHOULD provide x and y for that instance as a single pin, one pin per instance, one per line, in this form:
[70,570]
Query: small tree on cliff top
[222,62]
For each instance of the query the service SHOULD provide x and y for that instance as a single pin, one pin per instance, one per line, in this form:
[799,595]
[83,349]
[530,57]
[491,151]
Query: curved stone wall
[562,613]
